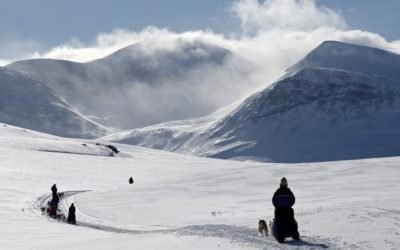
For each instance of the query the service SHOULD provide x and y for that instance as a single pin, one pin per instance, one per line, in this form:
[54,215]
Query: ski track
[238,234]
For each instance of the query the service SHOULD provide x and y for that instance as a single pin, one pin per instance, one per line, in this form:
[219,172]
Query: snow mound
[20,138]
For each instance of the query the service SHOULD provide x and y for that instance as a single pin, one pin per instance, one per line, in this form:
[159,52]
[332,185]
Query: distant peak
[331,46]
[327,42]
[328,45]
[352,57]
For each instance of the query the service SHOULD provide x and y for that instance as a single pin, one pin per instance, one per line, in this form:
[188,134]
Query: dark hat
[284,182]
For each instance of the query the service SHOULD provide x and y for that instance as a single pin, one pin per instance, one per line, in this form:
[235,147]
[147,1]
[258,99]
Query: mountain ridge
[313,113]
[112,88]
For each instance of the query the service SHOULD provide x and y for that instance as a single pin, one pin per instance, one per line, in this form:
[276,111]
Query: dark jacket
[71,215]
[71,210]
[54,201]
[283,191]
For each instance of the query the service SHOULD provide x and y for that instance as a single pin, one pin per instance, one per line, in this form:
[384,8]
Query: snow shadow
[305,243]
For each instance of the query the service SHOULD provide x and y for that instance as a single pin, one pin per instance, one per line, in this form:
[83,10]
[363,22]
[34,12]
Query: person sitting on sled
[283,200]
[54,205]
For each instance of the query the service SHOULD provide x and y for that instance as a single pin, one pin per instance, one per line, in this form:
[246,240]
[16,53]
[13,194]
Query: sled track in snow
[237,234]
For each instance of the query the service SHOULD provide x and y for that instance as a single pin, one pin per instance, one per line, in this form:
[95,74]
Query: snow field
[339,205]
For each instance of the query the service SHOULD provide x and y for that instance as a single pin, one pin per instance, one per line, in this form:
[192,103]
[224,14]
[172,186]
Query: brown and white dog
[262,227]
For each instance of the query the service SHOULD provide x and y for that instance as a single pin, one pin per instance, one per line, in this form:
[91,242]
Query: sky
[376,16]
[32,29]
[29,26]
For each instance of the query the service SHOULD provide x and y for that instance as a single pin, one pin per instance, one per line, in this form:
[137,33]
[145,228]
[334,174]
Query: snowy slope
[170,136]
[351,57]
[28,103]
[331,112]
[339,205]
[134,86]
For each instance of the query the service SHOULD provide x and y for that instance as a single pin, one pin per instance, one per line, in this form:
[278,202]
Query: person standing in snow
[283,200]
[71,215]
[54,190]
[131,180]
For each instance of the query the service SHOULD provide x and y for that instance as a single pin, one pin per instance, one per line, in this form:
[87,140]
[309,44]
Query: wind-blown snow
[339,205]
[327,107]
[139,86]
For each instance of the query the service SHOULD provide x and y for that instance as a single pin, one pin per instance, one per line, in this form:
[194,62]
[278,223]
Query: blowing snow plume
[128,79]
[140,85]
[329,106]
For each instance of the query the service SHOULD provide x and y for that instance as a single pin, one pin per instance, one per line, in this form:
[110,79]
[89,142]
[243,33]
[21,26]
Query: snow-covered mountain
[350,57]
[28,103]
[342,101]
[135,86]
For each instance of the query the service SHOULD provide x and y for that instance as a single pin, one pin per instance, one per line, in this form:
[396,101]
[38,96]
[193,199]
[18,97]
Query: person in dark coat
[54,205]
[71,215]
[54,190]
[283,200]
[283,190]
[131,180]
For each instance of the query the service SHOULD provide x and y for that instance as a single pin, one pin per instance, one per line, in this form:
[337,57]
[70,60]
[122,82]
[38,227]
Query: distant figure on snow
[131,180]
[71,215]
[54,190]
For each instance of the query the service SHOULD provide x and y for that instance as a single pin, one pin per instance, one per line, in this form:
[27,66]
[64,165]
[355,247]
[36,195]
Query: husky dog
[262,227]
[61,217]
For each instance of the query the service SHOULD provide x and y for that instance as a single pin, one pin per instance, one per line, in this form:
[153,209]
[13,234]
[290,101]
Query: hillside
[28,103]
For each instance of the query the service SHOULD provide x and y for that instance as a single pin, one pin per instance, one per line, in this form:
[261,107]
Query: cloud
[297,15]
[4,62]
[14,48]
[269,24]
[152,38]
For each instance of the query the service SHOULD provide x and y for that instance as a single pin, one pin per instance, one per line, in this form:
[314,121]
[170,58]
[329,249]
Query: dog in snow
[61,217]
[262,227]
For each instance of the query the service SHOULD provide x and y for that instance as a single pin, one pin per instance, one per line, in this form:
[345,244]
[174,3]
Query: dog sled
[52,209]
